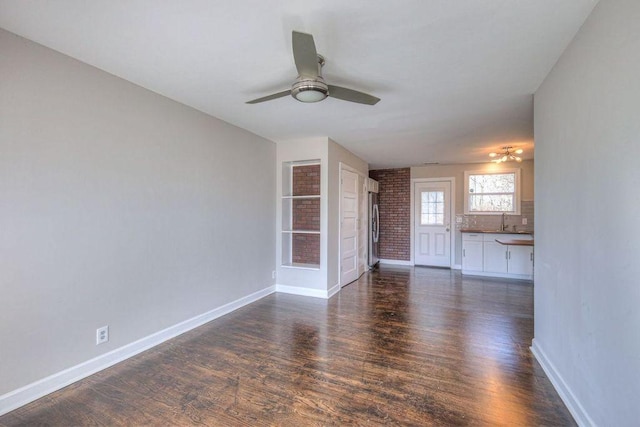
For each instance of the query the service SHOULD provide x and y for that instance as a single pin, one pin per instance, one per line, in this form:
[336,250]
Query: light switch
[524,221]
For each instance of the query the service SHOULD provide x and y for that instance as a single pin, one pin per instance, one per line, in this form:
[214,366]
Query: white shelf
[301,266]
[311,196]
[301,202]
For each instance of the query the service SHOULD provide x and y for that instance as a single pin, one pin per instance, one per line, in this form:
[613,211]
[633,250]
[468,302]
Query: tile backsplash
[493,222]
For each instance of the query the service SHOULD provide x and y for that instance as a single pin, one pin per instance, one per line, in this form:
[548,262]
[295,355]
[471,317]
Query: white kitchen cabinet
[495,257]
[483,256]
[472,256]
[520,260]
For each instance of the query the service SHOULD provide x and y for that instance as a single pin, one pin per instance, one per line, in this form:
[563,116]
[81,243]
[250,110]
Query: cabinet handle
[506,255]
[531,256]
[464,253]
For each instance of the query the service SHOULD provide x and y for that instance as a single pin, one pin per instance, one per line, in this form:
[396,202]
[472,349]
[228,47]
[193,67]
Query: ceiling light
[310,90]
[507,154]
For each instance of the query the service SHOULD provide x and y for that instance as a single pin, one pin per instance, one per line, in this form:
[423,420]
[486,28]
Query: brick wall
[394,203]
[305,248]
[306,214]
[306,180]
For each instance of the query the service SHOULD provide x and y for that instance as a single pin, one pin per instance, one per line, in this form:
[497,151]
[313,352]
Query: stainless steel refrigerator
[374,224]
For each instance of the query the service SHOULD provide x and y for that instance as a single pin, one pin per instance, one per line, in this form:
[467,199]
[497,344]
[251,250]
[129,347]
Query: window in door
[432,212]
[492,193]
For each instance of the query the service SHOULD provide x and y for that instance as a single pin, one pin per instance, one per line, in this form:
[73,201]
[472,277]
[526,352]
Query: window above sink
[491,193]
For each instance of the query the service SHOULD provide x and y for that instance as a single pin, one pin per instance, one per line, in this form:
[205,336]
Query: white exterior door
[432,229]
[348,227]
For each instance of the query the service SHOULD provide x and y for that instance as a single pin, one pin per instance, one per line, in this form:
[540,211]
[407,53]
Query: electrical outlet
[102,335]
[273,274]
[524,221]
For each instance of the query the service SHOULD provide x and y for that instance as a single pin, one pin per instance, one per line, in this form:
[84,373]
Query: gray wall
[587,296]
[117,206]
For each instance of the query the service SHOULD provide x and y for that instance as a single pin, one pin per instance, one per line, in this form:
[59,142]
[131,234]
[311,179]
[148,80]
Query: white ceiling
[456,77]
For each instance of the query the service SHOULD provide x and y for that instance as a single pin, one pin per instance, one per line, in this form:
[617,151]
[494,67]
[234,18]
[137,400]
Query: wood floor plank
[401,346]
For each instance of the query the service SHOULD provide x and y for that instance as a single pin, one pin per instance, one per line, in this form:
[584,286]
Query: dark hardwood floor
[401,346]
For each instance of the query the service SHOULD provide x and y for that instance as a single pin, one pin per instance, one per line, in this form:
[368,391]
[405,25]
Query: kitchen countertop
[472,230]
[515,242]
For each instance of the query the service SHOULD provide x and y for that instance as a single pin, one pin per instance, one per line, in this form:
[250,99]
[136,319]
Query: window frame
[517,191]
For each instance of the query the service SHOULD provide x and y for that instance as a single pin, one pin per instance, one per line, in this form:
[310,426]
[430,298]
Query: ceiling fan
[310,86]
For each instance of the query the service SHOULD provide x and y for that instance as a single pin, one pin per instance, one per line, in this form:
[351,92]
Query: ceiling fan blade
[352,95]
[270,97]
[305,54]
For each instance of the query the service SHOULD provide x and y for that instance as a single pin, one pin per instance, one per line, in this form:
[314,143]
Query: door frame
[344,166]
[452,214]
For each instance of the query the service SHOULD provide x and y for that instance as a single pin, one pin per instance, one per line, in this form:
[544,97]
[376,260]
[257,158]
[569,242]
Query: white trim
[457,267]
[301,267]
[395,262]
[17,398]
[564,391]
[307,292]
[334,290]
[352,169]
[452,216]
[528,277]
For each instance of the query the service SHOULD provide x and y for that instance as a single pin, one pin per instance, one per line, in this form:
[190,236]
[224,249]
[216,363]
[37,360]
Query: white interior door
[363,224]
[432,229]
[348,227]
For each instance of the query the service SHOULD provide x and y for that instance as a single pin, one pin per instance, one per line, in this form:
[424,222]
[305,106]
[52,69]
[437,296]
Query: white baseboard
[457,267]
[334,290]
[577,410]
[526,277]
[395,262]
[16,398]
[307,292]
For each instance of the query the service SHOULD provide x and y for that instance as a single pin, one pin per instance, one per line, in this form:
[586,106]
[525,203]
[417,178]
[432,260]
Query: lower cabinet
[472,256]
[495,257]
[472,252]
[520,260]
[483,256]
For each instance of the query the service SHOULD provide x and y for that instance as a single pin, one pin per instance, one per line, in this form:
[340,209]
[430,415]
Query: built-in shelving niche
[301,214]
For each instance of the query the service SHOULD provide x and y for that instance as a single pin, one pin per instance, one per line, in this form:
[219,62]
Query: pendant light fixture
[507,154]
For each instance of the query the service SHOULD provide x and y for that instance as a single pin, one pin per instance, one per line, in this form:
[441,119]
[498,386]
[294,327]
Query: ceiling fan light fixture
[310,86]
[310,90]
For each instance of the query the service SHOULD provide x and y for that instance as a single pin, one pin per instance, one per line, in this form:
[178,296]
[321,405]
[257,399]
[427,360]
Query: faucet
[503,227]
